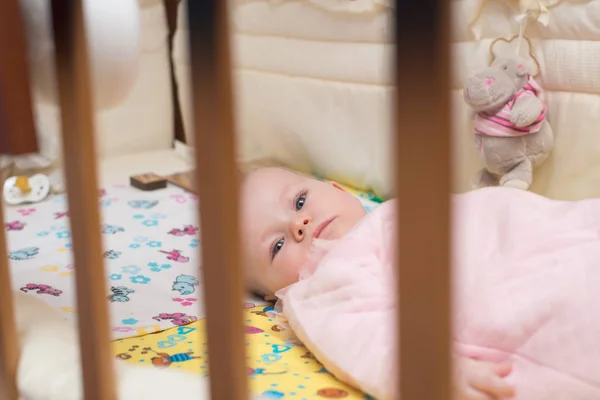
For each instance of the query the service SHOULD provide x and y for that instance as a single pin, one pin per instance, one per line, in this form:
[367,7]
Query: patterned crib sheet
[276,368]
[151,256]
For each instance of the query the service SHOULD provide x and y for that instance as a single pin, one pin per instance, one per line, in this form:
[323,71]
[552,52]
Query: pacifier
[22,189]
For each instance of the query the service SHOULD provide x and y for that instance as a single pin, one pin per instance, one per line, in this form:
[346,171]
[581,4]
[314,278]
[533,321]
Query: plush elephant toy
[512,133]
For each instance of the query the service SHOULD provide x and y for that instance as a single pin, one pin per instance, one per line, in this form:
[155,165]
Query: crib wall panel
[423,178]
[17,128]
[216,183]
[79,151]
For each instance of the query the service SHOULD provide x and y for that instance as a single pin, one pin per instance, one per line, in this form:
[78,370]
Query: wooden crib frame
[422,176]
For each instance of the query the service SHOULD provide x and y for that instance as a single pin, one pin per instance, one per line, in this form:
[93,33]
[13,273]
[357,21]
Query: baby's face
[281,213]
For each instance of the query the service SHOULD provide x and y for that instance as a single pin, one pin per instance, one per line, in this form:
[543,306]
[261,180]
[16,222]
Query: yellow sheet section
[275,368]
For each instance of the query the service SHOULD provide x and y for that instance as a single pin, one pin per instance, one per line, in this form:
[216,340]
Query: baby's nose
[298,228]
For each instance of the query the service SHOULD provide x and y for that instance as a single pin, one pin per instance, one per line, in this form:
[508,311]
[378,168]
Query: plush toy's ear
[521,70]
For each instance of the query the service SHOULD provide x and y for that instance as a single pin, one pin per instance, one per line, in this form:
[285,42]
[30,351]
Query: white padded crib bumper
[143,121]
[314,87]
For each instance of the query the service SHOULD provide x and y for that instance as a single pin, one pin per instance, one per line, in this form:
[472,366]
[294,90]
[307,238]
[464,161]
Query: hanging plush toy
[512,133]
[511,130]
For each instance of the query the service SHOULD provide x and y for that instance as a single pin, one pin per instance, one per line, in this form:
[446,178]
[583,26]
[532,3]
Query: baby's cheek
[286,267]
[293,263]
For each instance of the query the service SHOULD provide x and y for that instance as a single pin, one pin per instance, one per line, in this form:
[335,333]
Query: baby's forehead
[274,178]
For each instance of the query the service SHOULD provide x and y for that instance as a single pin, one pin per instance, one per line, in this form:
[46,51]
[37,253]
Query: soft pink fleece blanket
[526,288]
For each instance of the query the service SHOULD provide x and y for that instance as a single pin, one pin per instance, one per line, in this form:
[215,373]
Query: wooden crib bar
[17,129]
[17,136]
[216,182]
[79,152]
[423,177]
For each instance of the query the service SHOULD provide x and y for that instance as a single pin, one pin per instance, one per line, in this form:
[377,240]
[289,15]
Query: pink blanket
[526,288]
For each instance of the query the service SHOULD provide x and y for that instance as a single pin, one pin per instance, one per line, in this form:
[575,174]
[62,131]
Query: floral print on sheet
[153,275]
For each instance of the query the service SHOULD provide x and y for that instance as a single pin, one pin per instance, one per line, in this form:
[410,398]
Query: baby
[283,212]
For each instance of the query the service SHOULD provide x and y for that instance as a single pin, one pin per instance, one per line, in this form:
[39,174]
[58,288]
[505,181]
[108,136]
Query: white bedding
[150,247]
[150,257]
[309,80]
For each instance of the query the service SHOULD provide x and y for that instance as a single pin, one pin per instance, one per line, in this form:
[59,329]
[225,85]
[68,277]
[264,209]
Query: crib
[422,30]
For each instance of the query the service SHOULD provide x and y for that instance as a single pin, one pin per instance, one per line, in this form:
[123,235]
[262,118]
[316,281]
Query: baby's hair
[247,167]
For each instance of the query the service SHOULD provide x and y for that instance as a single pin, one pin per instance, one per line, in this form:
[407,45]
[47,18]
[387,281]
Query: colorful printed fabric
[150,251]
[368,199]
[276,368]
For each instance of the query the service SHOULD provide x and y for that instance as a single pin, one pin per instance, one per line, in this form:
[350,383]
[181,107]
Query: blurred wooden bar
[216,181]
[81,180]
[9,353]
[17,127]
[423,177]
[17,136]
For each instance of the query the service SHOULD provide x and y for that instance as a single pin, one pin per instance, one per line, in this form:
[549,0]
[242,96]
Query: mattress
[156,307]
[308,80]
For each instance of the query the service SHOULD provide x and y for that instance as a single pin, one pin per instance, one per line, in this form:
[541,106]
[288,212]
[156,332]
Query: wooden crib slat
[17,136]
[81,181]
[9,354]
[17,128]
[216,181]
[423,184]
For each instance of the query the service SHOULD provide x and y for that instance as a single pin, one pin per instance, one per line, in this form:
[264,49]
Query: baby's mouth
[320,229]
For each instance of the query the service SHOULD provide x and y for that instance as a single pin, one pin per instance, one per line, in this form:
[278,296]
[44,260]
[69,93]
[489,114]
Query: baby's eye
[278,245]
[300,202]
